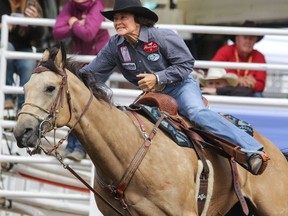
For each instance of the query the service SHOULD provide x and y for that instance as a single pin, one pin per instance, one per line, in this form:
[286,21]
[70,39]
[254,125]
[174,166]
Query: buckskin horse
[166,180]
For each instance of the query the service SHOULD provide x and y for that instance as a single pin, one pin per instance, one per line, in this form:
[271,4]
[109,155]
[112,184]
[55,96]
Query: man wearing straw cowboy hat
[218,82]
[156,59]
[243,51]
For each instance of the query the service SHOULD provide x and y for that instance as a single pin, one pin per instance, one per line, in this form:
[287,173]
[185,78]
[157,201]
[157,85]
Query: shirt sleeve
[234,91]
[174,49]
[102,64]
[260,76]
[92,25]
[224,54]
[61,29]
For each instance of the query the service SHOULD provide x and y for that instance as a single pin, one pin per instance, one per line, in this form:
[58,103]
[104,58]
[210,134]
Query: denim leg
[70,143]
[78,147]
[189,99]
[10,71]
[74,144]
[258,94]
[24,69]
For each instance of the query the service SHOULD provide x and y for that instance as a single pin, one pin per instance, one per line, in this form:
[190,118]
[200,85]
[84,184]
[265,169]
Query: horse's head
[47,100]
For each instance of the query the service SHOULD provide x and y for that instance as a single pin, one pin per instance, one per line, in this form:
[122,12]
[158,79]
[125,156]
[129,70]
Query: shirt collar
[142,37]
[144,34]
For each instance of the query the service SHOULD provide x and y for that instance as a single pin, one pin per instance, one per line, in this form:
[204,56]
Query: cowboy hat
[131,6]
[248,23]
[219,73]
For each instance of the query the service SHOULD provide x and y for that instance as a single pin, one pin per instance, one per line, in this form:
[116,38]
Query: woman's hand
[83,20]
[32,12]
[72,20]
[147,81]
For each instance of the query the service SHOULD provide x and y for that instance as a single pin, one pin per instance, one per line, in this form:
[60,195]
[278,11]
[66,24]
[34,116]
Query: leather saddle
[164,102]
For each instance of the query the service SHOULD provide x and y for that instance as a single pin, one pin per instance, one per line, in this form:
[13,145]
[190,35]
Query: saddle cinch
[200,140]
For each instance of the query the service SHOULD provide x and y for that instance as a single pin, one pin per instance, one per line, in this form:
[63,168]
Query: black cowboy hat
[131,6]
[248,23]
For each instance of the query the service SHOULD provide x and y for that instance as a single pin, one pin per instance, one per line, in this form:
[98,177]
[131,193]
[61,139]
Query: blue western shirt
[158,51]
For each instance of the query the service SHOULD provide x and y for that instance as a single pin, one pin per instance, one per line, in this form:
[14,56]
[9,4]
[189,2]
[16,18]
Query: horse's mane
[99,89]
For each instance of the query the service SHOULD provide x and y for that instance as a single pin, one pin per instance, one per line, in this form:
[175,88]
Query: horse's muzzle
[25,137]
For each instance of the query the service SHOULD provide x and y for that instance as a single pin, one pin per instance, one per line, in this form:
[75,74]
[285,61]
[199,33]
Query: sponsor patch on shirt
[129,66]
[150,47]
[153,57]
[125,54]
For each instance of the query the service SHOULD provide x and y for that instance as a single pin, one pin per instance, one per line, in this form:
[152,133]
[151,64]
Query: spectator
[80,22]
[158,59]
[243,51]
[218,82]
[21,38]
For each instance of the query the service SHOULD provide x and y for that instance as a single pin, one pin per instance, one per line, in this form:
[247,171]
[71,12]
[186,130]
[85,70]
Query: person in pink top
[243,51]
[80,21]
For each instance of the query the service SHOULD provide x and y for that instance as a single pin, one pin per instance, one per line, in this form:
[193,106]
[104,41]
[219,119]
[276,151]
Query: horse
[166,180]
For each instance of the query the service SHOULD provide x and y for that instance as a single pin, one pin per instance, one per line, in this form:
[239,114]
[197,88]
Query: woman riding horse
[158,60]
[166,183]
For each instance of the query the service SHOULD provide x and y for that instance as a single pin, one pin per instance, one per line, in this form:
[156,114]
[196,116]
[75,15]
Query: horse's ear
[45,56]
[60,57]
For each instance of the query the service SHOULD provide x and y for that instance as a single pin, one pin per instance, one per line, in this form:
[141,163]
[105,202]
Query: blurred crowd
[51,10]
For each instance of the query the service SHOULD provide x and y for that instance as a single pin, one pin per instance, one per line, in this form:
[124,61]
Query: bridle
[51,120]
[51,117]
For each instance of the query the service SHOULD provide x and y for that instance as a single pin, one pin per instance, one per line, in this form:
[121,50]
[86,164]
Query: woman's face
[125,25]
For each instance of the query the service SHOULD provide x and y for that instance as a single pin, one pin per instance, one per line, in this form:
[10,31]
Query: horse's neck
[109,137]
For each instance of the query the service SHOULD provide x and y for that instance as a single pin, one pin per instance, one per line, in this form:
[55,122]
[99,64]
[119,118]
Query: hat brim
[139,11]
[259,38]
[230,78]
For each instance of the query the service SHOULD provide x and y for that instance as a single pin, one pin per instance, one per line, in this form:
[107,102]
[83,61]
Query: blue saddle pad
[178,136]
[154,114]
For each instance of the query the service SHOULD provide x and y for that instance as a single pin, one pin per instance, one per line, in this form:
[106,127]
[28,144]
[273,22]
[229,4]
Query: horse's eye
[50,89]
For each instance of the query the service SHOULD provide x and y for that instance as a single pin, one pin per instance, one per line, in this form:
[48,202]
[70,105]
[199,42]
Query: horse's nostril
[25,137]
[28,130]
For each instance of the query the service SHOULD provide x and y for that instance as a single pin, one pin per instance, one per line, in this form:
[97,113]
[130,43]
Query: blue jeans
[258,94]
[23,68]
[189,98]
[73,144]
